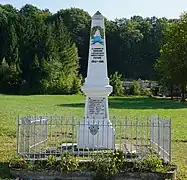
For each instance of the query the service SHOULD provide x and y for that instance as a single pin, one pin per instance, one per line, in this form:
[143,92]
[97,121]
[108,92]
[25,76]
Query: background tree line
[42,52]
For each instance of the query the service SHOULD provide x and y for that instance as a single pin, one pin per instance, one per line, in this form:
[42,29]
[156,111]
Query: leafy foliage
[18,162]
[51,162]
[107,165]
[145,92]
[172,62]
[68,162]
[150,163]
[135,89]
[40,55]
[117,84]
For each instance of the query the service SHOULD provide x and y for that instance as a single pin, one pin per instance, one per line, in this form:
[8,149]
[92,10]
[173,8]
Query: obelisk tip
[97,15]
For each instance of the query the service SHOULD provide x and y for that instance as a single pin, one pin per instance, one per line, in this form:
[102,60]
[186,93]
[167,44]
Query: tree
[172,63]
[3,34]
[12,46]
[9,77]
[78,24]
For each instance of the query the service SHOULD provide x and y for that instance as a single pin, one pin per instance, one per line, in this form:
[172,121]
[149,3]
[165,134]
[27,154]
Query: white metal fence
[161,136]
[40,136]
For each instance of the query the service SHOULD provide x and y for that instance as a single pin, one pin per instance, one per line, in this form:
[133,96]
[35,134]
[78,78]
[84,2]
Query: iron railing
[161,136]
[40,136]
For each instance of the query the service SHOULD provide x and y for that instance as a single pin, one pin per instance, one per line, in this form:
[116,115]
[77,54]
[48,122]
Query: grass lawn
[11,106]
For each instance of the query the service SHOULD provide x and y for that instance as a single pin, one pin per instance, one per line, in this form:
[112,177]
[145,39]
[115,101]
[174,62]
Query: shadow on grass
[5,171]
[136,103]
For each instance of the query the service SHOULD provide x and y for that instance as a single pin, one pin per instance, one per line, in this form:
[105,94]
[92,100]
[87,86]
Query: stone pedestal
[96,130]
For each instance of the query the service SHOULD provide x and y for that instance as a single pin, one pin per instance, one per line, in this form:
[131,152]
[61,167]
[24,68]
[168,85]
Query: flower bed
[100,166]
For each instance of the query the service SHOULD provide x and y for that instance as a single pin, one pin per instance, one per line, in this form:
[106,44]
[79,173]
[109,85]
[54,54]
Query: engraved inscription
[96,107]
[97,55]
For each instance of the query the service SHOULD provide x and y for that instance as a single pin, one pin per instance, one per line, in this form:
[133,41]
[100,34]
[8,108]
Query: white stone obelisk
[96,130]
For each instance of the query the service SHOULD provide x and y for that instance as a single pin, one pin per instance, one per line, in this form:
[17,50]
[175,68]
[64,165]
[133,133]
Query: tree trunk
[183,93]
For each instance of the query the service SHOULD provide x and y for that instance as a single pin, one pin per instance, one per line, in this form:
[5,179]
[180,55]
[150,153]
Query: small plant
[150,163]
[51,162]
[104,166]
[68,162]
[31,165]
[41,164]
[18,162]
[153,162]
[118,158]
[107,165]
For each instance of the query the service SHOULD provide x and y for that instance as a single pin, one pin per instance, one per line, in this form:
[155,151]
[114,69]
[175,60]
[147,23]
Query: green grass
[11,106]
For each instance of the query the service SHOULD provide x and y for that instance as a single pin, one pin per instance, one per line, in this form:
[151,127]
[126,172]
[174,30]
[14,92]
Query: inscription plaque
[96,107]
[97,55]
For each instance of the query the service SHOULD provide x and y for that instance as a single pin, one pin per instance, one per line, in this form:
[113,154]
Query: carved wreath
[95,28]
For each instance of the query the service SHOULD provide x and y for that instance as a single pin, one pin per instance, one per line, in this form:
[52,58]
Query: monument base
[98,135]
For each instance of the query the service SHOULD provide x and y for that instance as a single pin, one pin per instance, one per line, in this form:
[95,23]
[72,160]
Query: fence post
[34,137]
[46,129]
[114,125]
[106,138]
[120,134]
[84,135]
[125,132]
[136,134]
[23,126]
[131,125]
[152,129]
[18,135]
[73,124]
[170,140]
[78,135]
[66,124]
[30,137]
[147,138]
[163,138]
[158,135]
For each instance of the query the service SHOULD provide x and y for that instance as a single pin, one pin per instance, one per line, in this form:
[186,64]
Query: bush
[51,162]
[18,162]
[150,163]
[155,91]
[68,162]
[145,92]
[107,165]
[117,84]
[135,89]
[63,85]
[104,166]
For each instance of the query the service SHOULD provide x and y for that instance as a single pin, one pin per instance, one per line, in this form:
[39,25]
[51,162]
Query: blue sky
[112,9]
